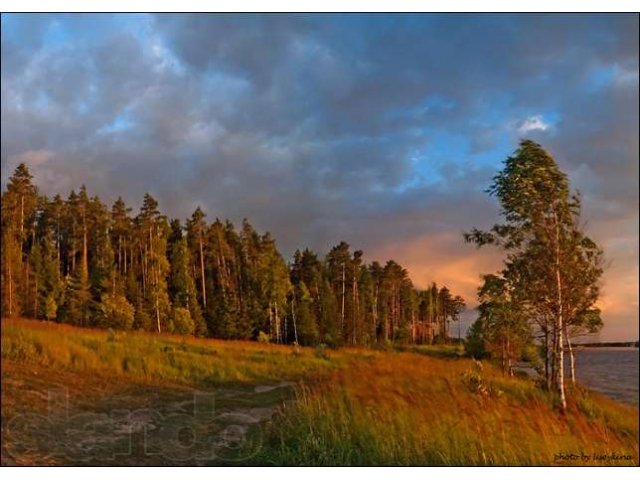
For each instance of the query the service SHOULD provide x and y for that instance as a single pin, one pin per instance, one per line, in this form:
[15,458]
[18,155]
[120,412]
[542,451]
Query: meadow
[83,396]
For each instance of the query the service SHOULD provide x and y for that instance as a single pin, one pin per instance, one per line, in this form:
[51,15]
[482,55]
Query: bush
[472,379]
[50,307]
[321,351]
[401,335]
[475,346]
[182,321]
[263,337]
[329,341]
[142,320]
[114,311]
[111,335]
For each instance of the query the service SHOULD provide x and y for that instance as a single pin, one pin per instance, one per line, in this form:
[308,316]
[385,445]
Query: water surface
[611,371]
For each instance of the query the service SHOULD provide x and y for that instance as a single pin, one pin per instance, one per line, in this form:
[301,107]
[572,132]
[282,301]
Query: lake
[611,371]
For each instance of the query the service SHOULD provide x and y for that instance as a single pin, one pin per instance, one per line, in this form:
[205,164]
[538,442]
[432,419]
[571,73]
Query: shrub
[475,345]
[111,335]
[472,378]
[142,320]
[329,341]
[182,321]
[50,307]
[321,351]
[114,311]
[263,337]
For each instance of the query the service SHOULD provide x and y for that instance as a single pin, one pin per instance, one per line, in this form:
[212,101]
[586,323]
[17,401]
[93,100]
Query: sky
[380,130]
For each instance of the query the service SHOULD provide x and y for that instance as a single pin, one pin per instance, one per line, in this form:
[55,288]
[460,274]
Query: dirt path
[76,421]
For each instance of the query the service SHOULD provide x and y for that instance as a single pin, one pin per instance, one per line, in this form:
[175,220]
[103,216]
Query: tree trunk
[21,221]
[285,330]
[157,313]
[293,317]
[58,246]
[572,359]
[547,353]
[354,333]
[560,364]
[277,318]
[204,290]
[26,289]
[73,250]
[375,315]
[10,282]
[509,360]
[35,297]
[553,354]
[413,326]
[560,320]
[342,308]
[85,253]
[120,254]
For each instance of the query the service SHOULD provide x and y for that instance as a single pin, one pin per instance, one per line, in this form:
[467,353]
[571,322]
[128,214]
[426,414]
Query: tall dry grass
[405,410]
[354,406]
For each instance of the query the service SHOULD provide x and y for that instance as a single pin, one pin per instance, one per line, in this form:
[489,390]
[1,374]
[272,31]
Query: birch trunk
[342,308]
[547,369]
[572,359]
[293,317]
[204,290]
[560,321]
[10,282]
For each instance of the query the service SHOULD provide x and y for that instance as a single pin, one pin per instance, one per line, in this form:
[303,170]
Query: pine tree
[152,235]
[76,300]
[196,228]
[19,204]
[182,287]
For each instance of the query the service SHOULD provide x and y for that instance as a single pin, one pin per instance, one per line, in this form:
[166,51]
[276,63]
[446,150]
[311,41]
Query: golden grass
[403,410]
[144,356]
[353,406]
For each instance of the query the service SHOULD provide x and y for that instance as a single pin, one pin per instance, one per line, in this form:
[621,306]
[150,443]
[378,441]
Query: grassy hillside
[279,405]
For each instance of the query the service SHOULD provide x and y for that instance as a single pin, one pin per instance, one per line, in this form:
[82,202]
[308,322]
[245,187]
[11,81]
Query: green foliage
[182,321]
[115,312]
[550,280]
[321,351]
[142,320]
[306,322]
[50,307]
[182,287]
[92,262]
[475,343]
[76,305]
[505,330]
[263,337]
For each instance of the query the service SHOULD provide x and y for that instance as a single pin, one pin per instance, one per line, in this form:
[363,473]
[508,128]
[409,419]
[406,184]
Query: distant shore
[608,345]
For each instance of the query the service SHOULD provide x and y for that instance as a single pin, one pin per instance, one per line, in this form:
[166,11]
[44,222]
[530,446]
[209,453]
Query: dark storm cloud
[380,130]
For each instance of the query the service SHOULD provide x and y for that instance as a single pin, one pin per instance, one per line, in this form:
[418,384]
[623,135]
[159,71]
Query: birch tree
[542,235]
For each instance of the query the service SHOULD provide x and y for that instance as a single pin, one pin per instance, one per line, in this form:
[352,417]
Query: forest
[79,262]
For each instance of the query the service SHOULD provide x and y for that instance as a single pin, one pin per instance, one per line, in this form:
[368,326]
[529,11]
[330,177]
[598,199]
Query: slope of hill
[80,396]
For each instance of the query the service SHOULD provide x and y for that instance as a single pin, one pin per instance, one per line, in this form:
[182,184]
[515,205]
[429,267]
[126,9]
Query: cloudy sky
[375,129]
